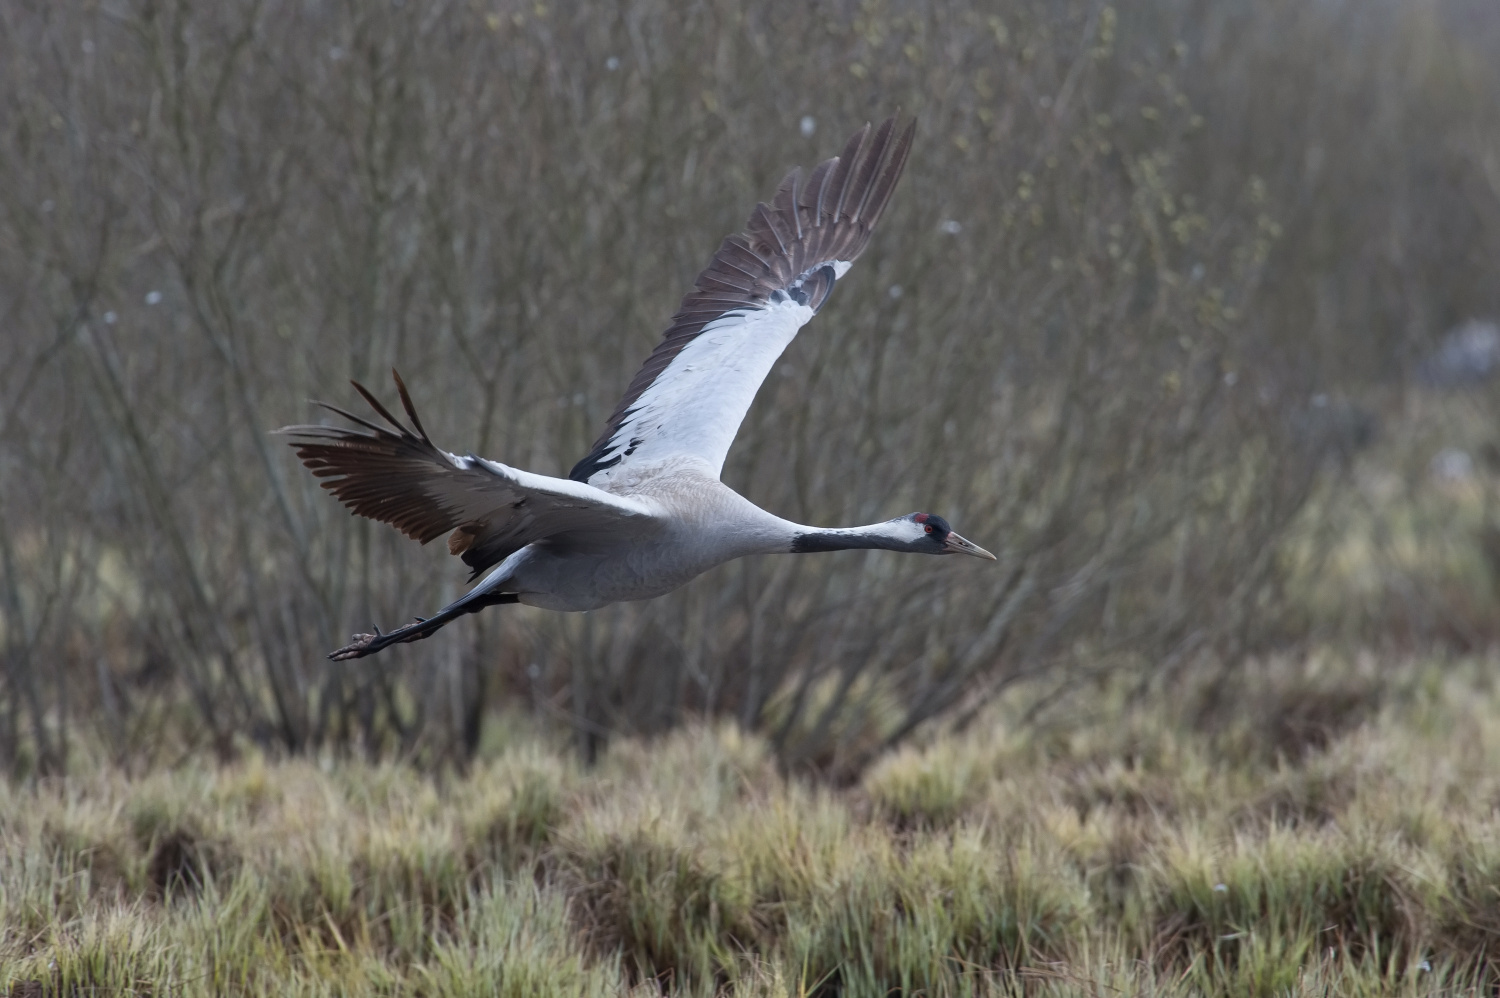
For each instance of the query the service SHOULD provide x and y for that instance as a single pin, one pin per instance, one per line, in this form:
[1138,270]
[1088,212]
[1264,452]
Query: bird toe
[357,648]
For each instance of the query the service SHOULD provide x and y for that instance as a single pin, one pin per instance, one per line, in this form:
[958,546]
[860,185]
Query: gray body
[697,524]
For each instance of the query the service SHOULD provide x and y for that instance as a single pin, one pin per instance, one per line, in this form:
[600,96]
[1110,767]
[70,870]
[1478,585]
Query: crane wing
[488,509]
[760,288]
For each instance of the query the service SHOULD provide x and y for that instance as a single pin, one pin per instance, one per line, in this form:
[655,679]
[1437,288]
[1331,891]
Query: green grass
[1139,847]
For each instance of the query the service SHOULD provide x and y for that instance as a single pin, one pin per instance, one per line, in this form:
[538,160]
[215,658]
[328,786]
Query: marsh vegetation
[1135,849]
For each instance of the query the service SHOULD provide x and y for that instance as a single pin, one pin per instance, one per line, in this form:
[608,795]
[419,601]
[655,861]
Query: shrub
[1113,326]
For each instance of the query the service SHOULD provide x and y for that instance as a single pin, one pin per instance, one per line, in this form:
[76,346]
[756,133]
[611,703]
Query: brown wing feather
[379,473]
[398,476]
[806,227]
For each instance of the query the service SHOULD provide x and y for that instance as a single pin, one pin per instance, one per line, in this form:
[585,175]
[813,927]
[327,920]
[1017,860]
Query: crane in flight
[644,511]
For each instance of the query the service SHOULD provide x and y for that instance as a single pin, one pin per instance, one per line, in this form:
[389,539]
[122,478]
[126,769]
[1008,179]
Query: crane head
[938,537]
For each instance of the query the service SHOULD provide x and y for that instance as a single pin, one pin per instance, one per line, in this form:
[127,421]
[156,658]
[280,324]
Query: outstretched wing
[761,287]
[397,476]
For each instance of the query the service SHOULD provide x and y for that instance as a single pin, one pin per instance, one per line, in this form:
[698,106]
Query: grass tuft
[1127,851]
[928,788]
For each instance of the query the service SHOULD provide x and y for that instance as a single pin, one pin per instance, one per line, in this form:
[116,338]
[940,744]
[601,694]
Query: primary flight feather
[644,511]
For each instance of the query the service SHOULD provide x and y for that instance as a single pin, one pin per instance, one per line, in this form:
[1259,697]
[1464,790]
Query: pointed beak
[957,545]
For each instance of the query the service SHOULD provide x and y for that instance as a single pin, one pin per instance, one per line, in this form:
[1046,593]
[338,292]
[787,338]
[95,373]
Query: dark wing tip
[411,410]
[872,155]
[377,471]
[885,183]
[375,404]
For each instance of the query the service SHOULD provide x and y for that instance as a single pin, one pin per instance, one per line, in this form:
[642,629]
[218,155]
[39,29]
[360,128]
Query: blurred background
[1186,309]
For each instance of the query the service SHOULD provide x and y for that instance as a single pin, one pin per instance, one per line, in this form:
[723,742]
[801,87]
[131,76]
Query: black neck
[849,539]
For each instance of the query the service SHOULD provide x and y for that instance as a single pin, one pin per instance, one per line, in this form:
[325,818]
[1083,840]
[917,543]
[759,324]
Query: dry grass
[1132,850]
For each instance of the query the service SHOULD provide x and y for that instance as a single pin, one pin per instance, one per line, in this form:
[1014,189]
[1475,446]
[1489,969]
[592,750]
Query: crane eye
[928,528]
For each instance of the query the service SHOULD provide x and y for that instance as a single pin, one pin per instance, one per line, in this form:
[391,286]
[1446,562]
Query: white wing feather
[694,408]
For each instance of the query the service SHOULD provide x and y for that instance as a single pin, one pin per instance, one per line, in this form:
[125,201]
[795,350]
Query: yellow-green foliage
[1134,847]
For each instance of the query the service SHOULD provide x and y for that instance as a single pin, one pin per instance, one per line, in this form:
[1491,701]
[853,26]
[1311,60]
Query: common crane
[645,511]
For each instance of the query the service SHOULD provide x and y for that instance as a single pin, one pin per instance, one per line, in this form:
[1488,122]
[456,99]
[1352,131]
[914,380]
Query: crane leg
[422,627]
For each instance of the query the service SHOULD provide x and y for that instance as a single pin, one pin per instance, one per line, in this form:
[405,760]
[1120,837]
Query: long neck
[742,528]
[876,535]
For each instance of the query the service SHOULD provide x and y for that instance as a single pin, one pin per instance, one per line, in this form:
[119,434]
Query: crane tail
[423,627]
